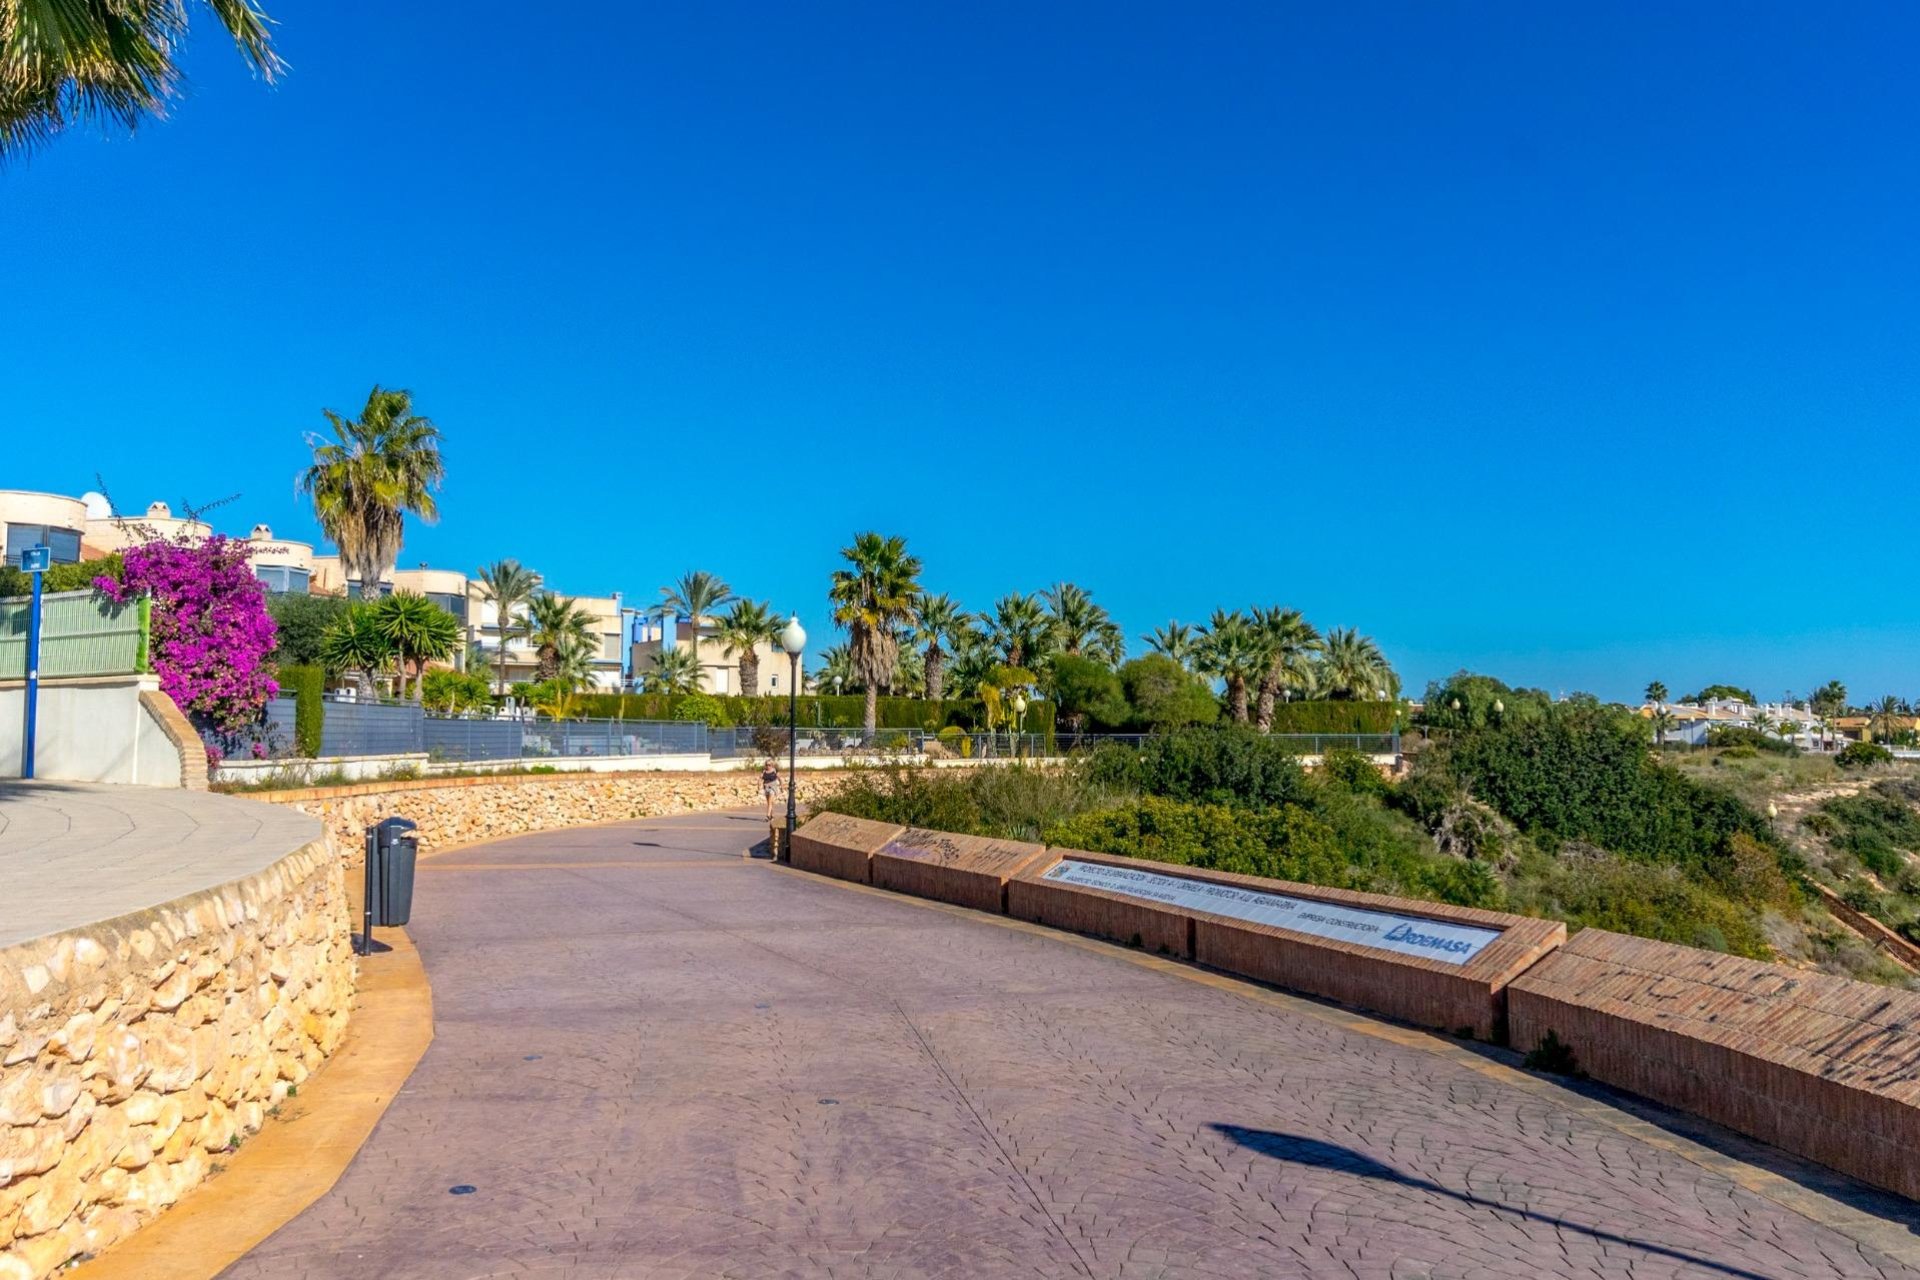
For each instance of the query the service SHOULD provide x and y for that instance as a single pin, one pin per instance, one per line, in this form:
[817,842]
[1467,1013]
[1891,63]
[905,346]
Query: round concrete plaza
[656,1057]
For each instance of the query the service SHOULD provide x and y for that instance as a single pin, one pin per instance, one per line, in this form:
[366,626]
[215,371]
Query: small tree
[211,632]
[1084,689]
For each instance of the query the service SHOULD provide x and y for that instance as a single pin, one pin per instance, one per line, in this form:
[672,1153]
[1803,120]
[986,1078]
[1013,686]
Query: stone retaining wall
[453,811]
[134,1052]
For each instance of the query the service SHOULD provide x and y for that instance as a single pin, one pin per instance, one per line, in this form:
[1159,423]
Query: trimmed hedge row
[826,711]
[307,685]
[1335,717]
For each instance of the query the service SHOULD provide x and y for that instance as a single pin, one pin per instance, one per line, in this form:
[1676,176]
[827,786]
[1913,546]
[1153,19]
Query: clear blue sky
[1580,348]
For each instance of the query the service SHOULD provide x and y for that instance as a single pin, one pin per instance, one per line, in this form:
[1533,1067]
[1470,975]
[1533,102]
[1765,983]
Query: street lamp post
[1019,722]
[35,560]
[793,639]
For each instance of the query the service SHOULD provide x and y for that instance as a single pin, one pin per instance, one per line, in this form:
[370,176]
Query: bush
[701,708]
[455,691]
[1663,903]
[1879,827]
[61,577]
[1354,770]
[843,712]
[1164,695]
[301,622]
[307,684]
[1738,736]
[1584,773]
[1287,843]
[1230,765]
[1014,802]
[1863,755]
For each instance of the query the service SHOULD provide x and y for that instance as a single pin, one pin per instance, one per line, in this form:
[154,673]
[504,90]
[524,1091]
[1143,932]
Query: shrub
[701,708]
[1085,693]
[1659,902]
[1229,765]
[308,685]
[455,691]
[1584,773]
[1756,741]
[1879,827]
[1863,755]
[1290,842]
[1164,695]
[301,623]
[1353,770]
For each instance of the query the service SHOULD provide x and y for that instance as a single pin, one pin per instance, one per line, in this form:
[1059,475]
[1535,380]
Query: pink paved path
[656,1059]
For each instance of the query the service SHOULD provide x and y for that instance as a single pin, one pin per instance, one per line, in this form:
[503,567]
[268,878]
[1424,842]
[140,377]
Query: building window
[283,578]
[455,604]
[353,589]
[63,543]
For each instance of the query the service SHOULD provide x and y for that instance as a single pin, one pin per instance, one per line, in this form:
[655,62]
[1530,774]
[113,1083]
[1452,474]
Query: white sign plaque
[1408,935]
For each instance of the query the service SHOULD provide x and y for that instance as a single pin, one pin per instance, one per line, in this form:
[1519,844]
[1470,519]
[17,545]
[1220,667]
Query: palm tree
[833,671]
[1656,693]
[1888,720]
[1352,666]
[1763,721]
[1232,650]
[673,671]
[937,623]
[697,594]
[355,643]
[871,600]
[1018,628]
[555,623]
[1176,640]
[1290,642]
[1663,723]
[510,587]
[749,624]
[366,479]
[106,62]
[1828,703]
[419,630]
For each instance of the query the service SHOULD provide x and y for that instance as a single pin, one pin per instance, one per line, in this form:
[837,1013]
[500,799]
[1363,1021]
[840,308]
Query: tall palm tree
[1176,640]
[1828,703]
[1290,642]
[509,586]
[673,671]
[871,599]
[1663,722]
[1231,649]
[1078,625]
[365,480]
[697,594]
[555,623]
[1656,693]
[419,630]
[748,624]
[937,621]
[1018,627]
[1352,666]
[106,62]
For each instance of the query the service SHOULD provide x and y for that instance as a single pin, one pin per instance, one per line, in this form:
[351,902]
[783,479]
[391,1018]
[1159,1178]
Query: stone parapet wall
[134,1052]
[456,811]
[1825,1067]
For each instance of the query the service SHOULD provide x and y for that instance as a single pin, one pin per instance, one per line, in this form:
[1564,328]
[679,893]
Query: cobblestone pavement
[657,1059]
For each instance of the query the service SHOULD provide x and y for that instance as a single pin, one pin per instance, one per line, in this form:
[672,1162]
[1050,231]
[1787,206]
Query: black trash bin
[392,849]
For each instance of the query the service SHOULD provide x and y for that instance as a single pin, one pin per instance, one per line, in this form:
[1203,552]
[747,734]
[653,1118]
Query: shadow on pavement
[1326,1155]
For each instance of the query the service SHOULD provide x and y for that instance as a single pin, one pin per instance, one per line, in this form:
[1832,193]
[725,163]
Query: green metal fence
[81,634]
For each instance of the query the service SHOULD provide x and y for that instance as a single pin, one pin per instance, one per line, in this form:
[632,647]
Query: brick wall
[1822,1066]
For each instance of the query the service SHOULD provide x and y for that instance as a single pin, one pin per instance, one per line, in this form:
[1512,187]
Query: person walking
[770,785]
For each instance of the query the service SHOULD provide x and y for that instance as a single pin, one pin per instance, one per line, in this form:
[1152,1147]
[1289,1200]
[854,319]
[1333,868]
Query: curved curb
[298,1156]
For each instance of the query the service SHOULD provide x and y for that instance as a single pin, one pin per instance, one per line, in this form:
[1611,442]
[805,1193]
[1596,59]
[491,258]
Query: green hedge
[306,684]
[843,712]
[1335,717]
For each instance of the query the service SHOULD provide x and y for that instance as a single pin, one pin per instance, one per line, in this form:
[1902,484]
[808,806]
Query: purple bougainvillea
[211,632]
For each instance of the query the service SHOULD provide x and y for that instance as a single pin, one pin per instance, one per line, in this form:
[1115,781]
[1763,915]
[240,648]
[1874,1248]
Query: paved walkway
[658,1059]
[78,853]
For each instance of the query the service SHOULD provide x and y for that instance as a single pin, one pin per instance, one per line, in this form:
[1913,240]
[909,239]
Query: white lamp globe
[1019,704]
[793,636]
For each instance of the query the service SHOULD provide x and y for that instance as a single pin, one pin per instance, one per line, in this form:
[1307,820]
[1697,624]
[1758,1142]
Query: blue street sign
[36,559]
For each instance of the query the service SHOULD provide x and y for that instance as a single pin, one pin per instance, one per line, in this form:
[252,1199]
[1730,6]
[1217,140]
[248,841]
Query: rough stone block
[968,871]
[831,844]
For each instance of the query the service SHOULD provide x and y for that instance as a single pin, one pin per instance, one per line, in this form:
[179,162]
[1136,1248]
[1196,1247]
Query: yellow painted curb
[301,1152]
